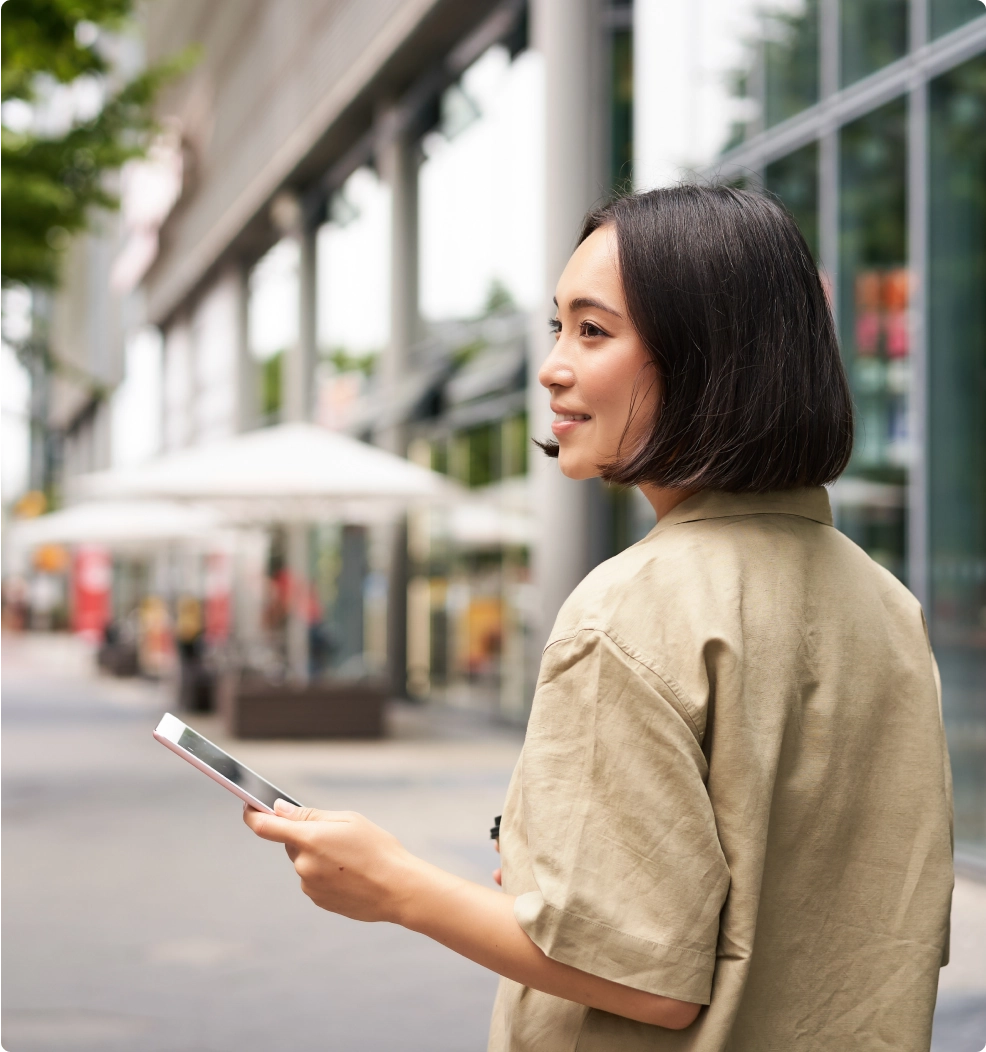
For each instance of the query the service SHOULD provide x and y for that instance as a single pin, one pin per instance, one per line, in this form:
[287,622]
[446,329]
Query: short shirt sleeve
[621,835]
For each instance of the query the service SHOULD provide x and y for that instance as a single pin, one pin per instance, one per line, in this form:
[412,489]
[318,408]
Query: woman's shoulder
[657,576]
[724,578]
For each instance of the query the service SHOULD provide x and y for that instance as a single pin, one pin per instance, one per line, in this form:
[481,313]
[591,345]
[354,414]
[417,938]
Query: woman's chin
[576,468]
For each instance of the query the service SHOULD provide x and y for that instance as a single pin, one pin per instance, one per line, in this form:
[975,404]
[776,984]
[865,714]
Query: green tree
[52,186]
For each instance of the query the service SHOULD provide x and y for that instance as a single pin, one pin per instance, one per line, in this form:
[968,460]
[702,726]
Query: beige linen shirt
[734,791]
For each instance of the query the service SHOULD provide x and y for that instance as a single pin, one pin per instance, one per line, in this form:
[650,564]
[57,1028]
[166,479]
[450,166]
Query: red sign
[218,581]
[92,578]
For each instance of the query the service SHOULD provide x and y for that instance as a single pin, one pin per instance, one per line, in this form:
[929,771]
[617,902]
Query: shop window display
[873,305]
[957,429]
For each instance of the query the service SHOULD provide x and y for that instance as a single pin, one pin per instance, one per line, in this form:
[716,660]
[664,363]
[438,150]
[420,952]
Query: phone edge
[214,774]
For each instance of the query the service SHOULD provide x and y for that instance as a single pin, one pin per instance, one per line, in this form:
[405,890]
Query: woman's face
[599,372]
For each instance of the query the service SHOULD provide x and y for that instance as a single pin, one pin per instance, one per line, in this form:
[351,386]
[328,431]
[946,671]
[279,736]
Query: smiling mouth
[561,418]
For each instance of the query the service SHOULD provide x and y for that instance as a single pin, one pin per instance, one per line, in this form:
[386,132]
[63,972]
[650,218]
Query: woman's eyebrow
[586,302]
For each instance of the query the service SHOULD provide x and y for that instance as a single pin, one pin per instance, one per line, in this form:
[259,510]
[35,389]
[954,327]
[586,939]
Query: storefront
[867,118]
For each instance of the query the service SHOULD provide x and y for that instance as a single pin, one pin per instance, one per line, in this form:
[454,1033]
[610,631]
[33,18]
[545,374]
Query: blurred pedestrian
[731,817]
[194,694]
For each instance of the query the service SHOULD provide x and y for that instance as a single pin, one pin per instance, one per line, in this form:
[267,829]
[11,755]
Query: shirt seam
[668,682]
[704,957]
[744,515]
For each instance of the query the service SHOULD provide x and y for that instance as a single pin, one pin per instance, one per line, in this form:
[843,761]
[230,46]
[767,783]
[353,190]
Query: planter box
[256,708]
[118,659]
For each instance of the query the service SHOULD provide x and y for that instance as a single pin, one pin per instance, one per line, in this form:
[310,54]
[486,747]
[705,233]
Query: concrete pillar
[299,364]
[569,35]
[397,161]
[299,375]
[247,408]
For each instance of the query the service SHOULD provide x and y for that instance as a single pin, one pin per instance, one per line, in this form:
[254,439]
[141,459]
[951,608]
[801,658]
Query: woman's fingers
[310,814]
[498,876]
[270,827]
[346,863]
[288,826]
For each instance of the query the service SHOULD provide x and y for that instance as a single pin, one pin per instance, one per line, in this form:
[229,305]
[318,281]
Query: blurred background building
[355,215]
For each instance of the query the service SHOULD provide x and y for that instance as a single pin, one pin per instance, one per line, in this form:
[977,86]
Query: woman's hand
[350,866]
[346,864]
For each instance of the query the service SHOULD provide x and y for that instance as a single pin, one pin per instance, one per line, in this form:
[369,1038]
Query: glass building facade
[867,118]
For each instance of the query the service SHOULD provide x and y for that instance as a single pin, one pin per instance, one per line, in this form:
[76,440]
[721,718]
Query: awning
[290,472]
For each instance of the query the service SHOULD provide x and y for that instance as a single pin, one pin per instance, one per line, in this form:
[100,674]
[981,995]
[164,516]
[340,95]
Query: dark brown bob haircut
[722,289]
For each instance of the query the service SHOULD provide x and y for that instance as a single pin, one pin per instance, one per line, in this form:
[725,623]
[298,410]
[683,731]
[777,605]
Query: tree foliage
[52,186]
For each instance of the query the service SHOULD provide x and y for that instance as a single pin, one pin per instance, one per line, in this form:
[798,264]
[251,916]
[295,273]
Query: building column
[397,161]
[299,374]
[568,34]
[247,407]
[918,525]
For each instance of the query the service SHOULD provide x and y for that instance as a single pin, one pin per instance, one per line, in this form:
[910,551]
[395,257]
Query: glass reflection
[780,76]
[947,15]
[621,112]
[790,61]
[794,179]
[873,297]
[957,447]
[874,34]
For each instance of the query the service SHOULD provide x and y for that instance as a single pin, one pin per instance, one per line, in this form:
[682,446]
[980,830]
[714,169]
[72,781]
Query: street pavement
[140,914]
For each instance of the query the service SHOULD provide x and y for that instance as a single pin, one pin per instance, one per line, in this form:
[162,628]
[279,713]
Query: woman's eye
[554,325]
[589,330]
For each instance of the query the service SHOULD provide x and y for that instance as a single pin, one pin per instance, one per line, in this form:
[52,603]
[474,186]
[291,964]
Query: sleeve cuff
[593,947]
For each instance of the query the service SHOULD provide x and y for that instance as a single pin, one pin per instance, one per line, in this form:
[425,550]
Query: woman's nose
[555,370]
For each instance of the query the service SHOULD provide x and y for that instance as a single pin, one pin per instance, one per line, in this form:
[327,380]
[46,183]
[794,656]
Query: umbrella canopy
[290,472]
[117,524]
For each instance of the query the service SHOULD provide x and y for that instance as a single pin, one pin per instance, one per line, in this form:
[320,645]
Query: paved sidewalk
[960,1020]
[141,915]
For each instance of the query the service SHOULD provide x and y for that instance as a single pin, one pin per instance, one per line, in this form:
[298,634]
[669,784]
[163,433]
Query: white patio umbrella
[290,474]
[287,473]
[121,525]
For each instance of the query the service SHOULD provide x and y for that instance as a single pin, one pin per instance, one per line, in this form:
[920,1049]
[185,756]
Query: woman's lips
[564,423]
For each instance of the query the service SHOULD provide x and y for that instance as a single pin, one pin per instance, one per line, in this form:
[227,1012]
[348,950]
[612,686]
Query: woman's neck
[662,499]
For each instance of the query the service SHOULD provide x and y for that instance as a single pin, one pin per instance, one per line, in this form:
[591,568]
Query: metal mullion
[860,98]
[827,134]
[830,48]
[919,27]
[828,214]
[918,549]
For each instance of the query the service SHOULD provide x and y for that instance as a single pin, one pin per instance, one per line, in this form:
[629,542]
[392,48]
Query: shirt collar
[809,503]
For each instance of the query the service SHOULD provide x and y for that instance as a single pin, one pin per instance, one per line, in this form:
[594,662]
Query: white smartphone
[218,765]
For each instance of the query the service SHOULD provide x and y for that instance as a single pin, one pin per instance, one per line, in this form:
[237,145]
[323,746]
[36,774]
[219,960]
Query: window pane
[483,455]
[874,33]
[873,322]
[621,112]
[957,427]
[950,14]
[795,181]
[778,72]
[790,59]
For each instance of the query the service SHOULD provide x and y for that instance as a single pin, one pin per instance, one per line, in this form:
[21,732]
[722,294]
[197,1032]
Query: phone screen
[224,764]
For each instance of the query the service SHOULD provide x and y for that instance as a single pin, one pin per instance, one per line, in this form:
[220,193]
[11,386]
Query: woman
[730,824]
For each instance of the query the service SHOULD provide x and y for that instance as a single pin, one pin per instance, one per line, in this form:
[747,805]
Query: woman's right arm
[479,923]
[350,866]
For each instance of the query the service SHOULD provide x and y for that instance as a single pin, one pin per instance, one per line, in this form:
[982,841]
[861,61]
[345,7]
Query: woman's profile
[729,828]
